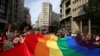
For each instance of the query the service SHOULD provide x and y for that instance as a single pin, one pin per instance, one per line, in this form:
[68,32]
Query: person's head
[97,38]
[81,34]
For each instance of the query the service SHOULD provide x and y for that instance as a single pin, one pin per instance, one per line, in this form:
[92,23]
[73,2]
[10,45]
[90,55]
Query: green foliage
[92,9]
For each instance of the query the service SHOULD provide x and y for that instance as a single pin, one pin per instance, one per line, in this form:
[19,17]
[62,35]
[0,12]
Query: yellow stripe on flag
[53,48]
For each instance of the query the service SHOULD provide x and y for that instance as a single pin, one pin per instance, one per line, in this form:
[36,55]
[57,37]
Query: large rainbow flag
[51,45]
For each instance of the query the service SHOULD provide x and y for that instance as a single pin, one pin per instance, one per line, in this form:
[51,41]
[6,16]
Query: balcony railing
[68,7]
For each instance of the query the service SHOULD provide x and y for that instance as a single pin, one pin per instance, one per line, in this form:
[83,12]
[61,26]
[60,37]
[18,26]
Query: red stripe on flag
[20,50]
[31,41]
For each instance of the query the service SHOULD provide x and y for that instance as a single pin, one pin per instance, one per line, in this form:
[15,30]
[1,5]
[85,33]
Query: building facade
[12,11]
[18,13]
[47,17]
[55,19]
[3,14]
[86,25]
[27,16]
[15,12]
[65,15]
[78,20]
[40,20]
[47,10]
[44,19]
[78,15]
[70,10]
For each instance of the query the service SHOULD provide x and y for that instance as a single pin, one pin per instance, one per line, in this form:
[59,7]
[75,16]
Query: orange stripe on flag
[41,48]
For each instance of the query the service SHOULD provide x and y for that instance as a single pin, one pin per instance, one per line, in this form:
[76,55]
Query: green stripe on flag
[62,44]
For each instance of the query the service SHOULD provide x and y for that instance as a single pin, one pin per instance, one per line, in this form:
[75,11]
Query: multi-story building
[47,10]
[47,16]
[55,18]
[78,15]
[12,11]
[72,11]
[40,20]
[18,12]
[44,19]
[27,17]
[15,12]
[65,15]
[3,12]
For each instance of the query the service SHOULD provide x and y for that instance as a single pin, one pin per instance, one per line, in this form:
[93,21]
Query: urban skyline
[36,5]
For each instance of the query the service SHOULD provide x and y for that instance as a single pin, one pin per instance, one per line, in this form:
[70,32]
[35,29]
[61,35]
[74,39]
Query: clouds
[36,6]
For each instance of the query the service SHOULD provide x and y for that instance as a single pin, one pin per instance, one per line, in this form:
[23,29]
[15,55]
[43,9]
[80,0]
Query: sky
[35,7]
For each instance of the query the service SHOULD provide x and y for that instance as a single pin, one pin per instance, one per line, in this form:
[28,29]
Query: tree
[92,9]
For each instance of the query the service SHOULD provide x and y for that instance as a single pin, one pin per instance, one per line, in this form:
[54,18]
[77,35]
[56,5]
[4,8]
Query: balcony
[62,18]
[68,15]
[67,3]
[68,7]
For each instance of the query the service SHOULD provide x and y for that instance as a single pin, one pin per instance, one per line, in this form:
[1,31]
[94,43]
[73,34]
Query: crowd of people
[12,39]
[94,39]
